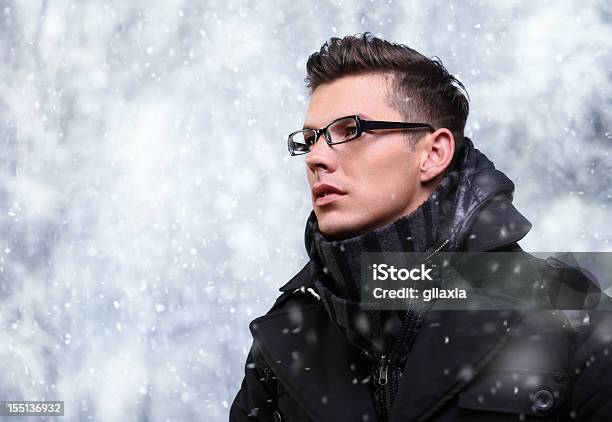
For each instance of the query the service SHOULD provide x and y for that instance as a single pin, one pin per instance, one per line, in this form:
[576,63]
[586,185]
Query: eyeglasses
[343,130]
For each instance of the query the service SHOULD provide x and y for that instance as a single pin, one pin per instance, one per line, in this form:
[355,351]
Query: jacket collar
[496,225]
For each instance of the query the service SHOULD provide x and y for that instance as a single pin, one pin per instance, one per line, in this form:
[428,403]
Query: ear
[437,153]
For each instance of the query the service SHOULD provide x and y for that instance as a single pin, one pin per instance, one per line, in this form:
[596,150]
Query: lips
[325,193]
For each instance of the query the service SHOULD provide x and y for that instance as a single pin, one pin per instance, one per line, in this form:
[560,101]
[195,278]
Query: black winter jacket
[508,365]
[464,366]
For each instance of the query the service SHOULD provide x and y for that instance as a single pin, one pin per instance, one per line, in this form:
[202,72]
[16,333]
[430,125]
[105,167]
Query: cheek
[385,172]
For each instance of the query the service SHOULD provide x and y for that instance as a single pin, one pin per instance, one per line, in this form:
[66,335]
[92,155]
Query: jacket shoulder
[296,295]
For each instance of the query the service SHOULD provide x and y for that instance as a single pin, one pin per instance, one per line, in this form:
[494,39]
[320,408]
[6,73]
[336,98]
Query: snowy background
[149,207]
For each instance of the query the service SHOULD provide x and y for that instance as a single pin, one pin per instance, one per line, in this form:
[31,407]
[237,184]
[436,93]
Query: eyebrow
[363,116]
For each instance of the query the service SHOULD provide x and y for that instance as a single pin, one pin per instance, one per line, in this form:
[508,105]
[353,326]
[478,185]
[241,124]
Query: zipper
[438,249]
[386,362]
[383,371]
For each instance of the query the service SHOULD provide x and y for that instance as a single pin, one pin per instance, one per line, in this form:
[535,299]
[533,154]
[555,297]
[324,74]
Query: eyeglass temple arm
[377,124]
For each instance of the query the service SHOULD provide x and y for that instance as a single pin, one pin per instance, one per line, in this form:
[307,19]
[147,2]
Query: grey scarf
[336,267]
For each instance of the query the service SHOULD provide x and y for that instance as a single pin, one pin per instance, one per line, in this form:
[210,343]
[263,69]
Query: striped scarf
[336,267]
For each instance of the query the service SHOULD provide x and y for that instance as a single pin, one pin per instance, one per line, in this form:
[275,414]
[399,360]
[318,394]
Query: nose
[321,157]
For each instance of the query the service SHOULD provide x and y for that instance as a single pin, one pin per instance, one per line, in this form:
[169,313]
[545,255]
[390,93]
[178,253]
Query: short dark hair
[422,90]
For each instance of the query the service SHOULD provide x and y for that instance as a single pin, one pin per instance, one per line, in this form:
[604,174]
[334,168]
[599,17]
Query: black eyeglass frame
[361,125]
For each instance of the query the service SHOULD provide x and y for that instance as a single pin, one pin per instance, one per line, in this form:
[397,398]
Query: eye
[310,139]
[350,131]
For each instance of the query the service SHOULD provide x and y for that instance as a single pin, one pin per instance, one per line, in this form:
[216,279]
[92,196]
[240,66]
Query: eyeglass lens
[339,131]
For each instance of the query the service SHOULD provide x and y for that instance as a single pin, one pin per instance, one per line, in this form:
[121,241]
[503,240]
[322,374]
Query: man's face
[377,174]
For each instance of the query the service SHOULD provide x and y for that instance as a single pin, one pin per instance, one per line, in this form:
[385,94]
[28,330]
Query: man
[390,170]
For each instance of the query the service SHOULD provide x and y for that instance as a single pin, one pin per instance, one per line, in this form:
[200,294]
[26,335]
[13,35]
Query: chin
[337,227]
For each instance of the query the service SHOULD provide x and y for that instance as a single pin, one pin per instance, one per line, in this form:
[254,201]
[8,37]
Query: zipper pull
[382,371]
[267,372]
